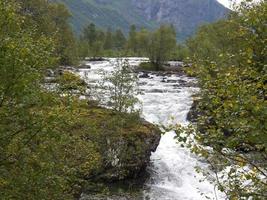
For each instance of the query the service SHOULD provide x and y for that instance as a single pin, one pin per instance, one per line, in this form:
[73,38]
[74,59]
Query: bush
[122,88]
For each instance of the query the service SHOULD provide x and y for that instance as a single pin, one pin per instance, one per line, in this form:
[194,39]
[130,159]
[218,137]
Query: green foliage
[181,53]
[51,20]
[40,158]
[70,83]
[51,141]
[122,88]
[230,62]
[132,42]
[162,44]
[95,43]
[108,44]
[159,46]
[119,40]
[148,66]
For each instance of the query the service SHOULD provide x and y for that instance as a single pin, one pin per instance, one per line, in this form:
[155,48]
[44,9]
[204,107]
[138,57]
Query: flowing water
[166,100]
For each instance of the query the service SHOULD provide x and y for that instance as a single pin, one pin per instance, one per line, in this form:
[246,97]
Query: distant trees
[108,43]
[52,20]
[97,43]
[132,41]
[119,40]
[161,44]
[229,59]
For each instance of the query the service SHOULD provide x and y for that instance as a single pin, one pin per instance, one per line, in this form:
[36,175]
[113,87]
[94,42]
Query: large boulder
[126,153]
[124,142]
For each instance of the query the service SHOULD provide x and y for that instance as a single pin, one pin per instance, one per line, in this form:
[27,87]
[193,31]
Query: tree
[215,39]
[93,40]
[142,42]
[66,47]
[162,43]
[122,88]
[119,40]
[132,39]
[108,44]
[90,34]
[232,102]
[181,53]
[51,20]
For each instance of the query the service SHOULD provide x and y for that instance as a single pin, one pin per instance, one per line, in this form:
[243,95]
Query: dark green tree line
[159,45]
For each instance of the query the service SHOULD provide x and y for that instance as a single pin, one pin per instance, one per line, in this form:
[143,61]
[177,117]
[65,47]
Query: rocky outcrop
[123,144]
[123,141]
[126,154]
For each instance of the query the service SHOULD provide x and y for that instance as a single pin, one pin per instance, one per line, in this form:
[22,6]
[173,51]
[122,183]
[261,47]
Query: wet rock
[164,80]
[84,66]
[95,59]
[144,75]
[155,91]
[142,83]
[49,73]
[172,81]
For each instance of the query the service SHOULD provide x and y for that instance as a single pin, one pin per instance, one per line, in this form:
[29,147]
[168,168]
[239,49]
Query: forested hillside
[186,16]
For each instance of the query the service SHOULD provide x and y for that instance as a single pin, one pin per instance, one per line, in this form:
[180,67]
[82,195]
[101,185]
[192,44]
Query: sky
[227,3]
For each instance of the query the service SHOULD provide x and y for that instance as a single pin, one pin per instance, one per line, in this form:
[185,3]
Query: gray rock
[125,156]
[84,66]
[144,75]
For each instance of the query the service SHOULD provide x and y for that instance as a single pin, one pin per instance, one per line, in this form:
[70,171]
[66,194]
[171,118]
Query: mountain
[185,15]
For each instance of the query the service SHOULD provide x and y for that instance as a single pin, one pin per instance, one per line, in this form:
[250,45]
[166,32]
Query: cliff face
[185,15]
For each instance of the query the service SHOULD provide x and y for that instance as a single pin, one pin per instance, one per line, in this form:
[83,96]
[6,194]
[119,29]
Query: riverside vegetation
[230,60]
[51,141]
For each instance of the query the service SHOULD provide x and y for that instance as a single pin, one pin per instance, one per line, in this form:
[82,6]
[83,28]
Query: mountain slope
[185,15]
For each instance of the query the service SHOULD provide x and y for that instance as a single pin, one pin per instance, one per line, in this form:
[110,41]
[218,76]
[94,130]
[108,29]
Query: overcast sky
[227,3]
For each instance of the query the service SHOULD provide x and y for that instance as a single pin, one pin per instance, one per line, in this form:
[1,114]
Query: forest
[51,141]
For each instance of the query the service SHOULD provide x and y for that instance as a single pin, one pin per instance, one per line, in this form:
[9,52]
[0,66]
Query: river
[166,99]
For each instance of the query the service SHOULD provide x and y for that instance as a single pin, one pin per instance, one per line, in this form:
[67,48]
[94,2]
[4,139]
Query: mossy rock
[125,142]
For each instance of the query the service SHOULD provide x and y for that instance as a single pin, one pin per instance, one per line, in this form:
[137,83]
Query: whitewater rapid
[166,100]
